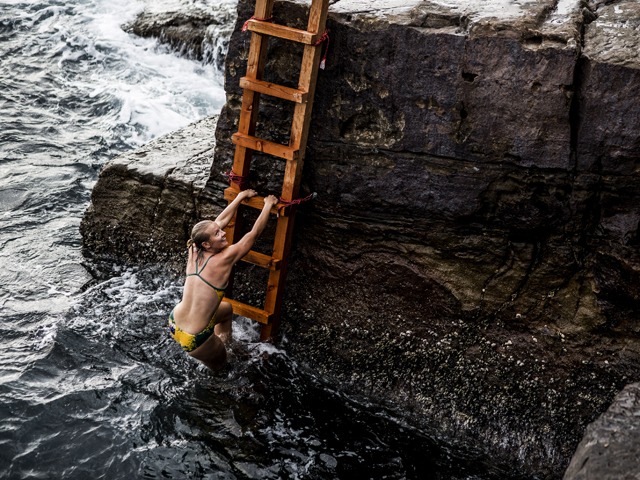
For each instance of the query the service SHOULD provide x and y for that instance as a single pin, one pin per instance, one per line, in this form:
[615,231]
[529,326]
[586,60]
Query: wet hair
[198,235]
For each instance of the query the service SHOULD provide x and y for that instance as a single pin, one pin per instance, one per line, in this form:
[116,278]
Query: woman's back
[204,288]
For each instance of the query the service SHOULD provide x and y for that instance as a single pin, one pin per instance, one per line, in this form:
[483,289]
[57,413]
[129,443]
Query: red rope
[245,27]
[240,180]
[297,201]
[325,36]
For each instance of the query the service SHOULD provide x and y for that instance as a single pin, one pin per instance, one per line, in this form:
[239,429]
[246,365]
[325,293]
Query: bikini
[188,341]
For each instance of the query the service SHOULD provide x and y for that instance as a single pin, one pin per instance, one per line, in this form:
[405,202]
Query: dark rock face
[608,139]
[473,252]
[465,256]
[609,449]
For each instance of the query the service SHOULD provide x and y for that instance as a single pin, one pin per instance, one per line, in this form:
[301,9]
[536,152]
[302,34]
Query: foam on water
[158,91]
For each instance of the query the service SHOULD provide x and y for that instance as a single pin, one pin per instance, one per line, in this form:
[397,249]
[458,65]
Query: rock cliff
[473,251]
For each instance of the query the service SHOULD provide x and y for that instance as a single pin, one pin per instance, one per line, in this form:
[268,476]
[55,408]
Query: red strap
[297,201]
[245,27]
[325,36]
[240,180]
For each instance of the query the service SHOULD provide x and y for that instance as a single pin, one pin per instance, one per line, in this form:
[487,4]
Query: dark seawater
[91,385]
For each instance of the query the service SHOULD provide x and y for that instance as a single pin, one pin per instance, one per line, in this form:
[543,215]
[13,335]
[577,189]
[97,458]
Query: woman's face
[217,238]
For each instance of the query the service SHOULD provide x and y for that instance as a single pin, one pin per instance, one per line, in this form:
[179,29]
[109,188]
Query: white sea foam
[118,303]
[45,336]
[157,91]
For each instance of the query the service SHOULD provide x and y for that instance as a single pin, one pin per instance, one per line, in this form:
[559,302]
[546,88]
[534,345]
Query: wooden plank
[280,31]
[286,93]
[263,8]
[260,145]
[248,311]
[261,260]
[256,202]
[317,16]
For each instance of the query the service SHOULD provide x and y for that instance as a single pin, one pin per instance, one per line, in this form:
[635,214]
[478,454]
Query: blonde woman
[201,322]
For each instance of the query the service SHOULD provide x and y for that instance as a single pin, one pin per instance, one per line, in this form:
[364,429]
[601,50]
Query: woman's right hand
[270,201]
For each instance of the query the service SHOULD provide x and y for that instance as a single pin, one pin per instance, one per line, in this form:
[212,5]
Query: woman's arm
[240,249]
[227,214]
[191,261]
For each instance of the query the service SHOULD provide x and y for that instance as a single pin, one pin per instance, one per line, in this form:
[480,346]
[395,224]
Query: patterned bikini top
[197,274]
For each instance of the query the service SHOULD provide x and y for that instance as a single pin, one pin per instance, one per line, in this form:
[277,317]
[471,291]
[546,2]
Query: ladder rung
[288,33]
[259,145]
[231,193]
[286,93]
[262,260]
[248,311]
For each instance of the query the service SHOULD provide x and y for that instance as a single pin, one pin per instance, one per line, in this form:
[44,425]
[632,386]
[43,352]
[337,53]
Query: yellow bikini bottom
[188,341]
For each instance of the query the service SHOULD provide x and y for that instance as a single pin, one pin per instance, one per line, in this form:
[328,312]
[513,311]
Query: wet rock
[196,29]
[476,89]
[473,252]
[609,449]
[443,146]
[146,201]
[607,139]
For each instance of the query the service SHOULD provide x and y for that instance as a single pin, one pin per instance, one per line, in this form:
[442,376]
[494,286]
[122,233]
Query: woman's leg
[212,353]
[224,315]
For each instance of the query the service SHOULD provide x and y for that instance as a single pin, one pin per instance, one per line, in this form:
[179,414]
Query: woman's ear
[206,245]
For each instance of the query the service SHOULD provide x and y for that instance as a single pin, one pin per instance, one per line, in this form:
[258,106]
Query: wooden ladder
[293,153]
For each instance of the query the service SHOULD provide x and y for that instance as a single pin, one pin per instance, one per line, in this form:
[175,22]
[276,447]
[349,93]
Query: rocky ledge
[473,251]
[609,449]
[146,201]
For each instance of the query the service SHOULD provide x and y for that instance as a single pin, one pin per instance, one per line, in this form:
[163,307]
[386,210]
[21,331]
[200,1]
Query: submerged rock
[473,251]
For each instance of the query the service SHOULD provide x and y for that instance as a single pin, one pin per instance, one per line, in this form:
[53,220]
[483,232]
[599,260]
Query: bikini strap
[205,264]
[197,274]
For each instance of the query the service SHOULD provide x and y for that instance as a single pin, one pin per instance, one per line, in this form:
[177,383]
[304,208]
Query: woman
[201,322]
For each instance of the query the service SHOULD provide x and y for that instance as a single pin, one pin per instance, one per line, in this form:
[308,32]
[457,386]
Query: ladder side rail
[275,287]
[318,16]
[247,122]
[301,120]
[250,99]
[264,8]
[291,188]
